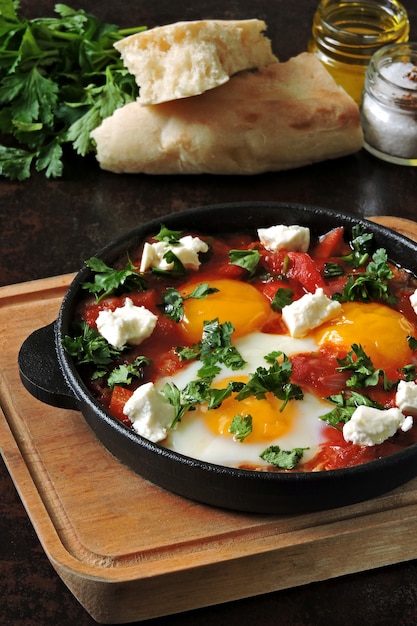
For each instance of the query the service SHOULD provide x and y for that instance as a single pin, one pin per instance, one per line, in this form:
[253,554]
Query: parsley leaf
[172,237]
[361,245]
[276,380]
[241,426]
[216,347]
[370,285]
[412,342]
[248,259]
[87,346]
[332,269]
[346,404]
[364,374]
[107,280]
[283,297]
[172,301]
[125,373]
[59,78]
[284,459]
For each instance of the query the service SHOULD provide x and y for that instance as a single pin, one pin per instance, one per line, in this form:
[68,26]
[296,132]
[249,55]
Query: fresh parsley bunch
[59,78]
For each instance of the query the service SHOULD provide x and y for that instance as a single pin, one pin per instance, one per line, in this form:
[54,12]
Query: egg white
[193,438]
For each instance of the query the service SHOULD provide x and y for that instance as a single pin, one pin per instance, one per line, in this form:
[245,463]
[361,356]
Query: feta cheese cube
[413,301]
[406,397]
[369,426]
[310,311]
[187,251]
[293,238]
[150,413]
[127,324]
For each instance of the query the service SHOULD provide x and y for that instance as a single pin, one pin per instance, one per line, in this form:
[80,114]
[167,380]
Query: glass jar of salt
[389,104]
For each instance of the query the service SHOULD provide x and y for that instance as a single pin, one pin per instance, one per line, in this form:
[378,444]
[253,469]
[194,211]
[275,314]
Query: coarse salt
[389,110]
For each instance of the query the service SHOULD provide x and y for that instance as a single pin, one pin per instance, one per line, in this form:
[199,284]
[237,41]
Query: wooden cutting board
[130,551]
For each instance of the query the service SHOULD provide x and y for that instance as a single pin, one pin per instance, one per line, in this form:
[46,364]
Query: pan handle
[40,370]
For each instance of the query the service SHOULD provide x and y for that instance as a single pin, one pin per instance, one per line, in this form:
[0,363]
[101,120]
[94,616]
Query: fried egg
[239,303]
[205,434]
[382,332]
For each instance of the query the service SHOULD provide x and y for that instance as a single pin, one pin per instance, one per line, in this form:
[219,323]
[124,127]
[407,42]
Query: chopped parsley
[371,284]
[364,374]
[87,346]
[241,426]
[275,380]
[412,343]
[361,246]
[108,280]
[125,373]
[248,259]
[346,404]
[168,236]
[283,297]
[284,459]
[172,300]
[214,348]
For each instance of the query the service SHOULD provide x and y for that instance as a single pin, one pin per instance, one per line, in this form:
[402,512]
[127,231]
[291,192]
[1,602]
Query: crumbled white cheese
[150,413]
[369,426]
[293,238]
[406,397]
[187,251]
[310,311]
[413,301]
[127,324]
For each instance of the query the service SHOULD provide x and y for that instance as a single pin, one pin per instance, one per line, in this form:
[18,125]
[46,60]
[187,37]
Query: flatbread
[283,116]
[187,58]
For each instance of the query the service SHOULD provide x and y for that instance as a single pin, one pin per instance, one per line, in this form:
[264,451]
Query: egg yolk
[268,422]
[236,302]
[381,331]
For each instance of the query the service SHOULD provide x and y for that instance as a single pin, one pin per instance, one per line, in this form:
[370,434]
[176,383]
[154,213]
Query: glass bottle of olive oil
[346,34]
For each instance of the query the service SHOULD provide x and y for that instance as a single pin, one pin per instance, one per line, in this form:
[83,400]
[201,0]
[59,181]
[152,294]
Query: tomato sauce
[315,372]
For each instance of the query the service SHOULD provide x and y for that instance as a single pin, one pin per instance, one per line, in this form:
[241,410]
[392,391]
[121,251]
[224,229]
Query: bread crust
[187,58]
[284,116]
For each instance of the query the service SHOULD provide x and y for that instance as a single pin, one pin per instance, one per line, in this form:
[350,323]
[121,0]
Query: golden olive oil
[345,35]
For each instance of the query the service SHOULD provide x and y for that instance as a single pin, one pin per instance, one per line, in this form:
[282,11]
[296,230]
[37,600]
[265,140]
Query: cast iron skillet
[49,375]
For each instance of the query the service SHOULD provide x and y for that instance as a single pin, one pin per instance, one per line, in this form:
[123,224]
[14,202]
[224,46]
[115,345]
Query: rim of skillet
[191,217]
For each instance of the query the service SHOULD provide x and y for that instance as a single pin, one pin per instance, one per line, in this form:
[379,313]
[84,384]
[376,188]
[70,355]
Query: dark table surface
[50,227]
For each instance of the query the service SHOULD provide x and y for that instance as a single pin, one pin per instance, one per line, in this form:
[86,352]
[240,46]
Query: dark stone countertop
[50,227]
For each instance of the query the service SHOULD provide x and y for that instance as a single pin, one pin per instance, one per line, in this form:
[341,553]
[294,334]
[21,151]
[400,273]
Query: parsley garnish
[283,297]
[177,268]
[409,372]
[412,343]
[172,300]
[241,426]
[107,280]
[332,270]
[87,346]
[361,245]
[171,237]
[364,374]
[346,404]
[284,459]
[248,259]
[59,78]
[370,285]
[125,373]
[216,347]
[276,380]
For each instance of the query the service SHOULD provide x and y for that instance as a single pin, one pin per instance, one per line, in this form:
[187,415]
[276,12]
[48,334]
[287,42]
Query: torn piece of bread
[280,117]
[187,58]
